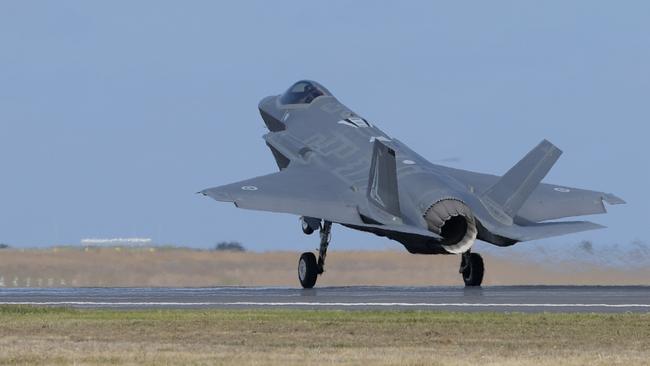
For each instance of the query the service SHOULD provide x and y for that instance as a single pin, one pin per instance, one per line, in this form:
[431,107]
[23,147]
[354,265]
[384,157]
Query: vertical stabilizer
[512,190]
[382,183]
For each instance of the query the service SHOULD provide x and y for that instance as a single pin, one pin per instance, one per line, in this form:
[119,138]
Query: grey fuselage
[337,167]
[340,141]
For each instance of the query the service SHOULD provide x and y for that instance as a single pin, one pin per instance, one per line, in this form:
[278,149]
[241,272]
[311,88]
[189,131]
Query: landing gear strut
[308,266]
[471,267]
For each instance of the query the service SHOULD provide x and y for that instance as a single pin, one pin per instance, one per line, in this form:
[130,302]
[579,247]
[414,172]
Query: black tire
[473,273]
[307,270]
[306,228]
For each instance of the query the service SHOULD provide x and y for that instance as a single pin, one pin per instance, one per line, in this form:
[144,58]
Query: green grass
[63,336]
[34,335]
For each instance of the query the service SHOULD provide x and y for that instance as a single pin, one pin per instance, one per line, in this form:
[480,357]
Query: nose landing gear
[308,266]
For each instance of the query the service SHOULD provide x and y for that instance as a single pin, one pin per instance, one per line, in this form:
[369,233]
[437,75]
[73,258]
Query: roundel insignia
[249,188]
[562,189]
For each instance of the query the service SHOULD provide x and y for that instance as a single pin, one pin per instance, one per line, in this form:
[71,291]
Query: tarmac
[489,298]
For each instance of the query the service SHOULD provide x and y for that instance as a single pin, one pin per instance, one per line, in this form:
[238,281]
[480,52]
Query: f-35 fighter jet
[338,167]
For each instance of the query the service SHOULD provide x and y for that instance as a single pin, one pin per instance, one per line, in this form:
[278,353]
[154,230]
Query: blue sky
[113,114]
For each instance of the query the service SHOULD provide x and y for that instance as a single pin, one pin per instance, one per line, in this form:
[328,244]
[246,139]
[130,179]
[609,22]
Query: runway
[496,298]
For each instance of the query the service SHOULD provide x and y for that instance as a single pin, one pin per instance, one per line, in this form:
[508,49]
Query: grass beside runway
[178,267]
[37,335]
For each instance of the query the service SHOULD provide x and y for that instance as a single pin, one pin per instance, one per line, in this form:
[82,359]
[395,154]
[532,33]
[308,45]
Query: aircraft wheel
[472,265]
[306,228]
[307,270]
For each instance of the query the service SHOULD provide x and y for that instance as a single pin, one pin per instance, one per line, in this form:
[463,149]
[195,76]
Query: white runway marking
[343,304]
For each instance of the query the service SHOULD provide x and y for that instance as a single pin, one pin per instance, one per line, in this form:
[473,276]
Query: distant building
[112,242]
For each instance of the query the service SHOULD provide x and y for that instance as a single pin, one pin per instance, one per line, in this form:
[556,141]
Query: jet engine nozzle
[454,221]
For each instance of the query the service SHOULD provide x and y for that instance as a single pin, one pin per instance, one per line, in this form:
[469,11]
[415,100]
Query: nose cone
[267,102]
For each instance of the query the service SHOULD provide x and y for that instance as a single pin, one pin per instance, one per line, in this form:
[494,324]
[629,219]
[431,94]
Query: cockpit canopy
[303,92]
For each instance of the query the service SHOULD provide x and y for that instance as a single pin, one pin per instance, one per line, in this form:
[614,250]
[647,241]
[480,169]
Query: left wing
[306,191]
[298,189]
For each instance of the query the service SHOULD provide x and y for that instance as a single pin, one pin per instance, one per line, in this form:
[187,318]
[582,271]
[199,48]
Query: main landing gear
[308,266]
[471,267]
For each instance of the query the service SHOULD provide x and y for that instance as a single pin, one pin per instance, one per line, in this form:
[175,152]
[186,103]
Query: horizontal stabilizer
[512,190]
[548,201]
[546,230]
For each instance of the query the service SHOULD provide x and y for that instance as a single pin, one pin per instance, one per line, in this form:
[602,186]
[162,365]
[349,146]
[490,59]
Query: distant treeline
[229,246]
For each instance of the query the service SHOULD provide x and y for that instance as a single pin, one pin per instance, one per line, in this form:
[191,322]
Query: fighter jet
[336,167]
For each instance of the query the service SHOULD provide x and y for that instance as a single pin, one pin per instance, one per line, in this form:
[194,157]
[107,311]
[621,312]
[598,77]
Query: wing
[306,191]
[547,201]
[301,190]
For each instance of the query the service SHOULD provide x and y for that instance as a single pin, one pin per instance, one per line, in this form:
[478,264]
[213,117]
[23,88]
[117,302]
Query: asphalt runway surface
[490,298]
